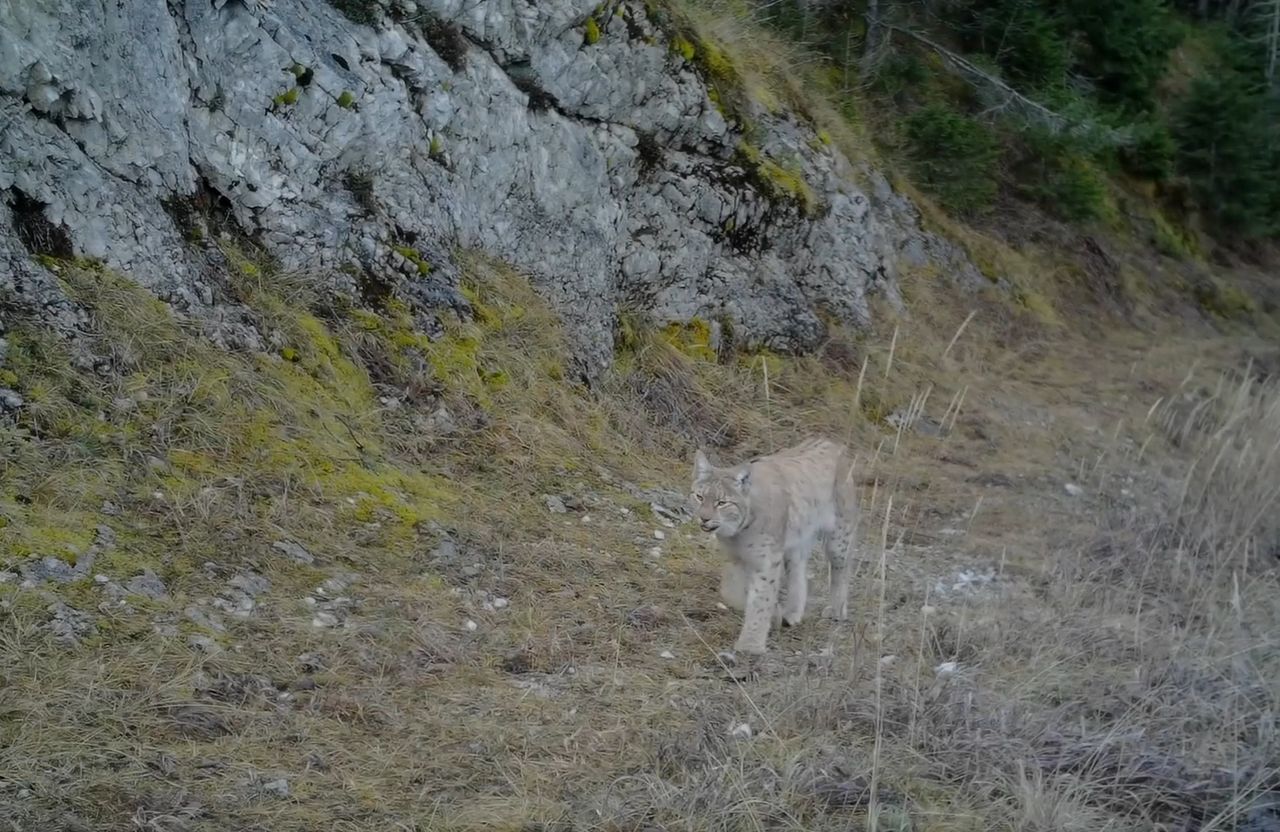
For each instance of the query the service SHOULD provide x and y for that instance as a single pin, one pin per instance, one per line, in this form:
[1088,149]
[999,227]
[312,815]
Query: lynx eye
[697,498]
[722,503]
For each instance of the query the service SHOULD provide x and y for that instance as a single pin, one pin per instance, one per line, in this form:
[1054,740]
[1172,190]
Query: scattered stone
[251,584]
[741,731]
[165,630]
[49,568]
[928,609]
[471,570]
[202,643]
[573,502]
[205,618]
[658,534]
[555,505]
[1073,489]
[946,668]
[720,605]
[500,603]
[293,551]
[655,551]
[10,400]
[446,550]
[6,577]
[69,625]
[279,788]
[324,620]
[886,661]
[666,654]
[110,509]
[147,585]
[311,662]
[471,626]
[101,579]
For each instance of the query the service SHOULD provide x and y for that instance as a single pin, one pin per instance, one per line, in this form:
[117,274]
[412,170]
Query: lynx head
[720,497]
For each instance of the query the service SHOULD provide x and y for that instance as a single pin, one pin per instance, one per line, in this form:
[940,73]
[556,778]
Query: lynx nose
[709,525]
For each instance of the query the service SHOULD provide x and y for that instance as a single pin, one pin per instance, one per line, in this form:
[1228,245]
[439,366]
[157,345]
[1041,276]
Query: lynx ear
[701,466]
[742,477]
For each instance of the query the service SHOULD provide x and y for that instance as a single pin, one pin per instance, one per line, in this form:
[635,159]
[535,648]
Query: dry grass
[1119,670]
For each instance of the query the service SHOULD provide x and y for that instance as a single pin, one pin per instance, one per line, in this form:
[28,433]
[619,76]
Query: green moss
[591,32]
[716,62]
[287,98]
[8,378]
[775,181]
[289,354]
[683,47]
[413,256]
[436,149]
[346,100]
[298,70]
[1170,241]
[760,360]
[692,338]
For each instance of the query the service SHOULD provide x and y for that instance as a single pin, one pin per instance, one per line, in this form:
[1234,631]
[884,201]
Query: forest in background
[1067,103]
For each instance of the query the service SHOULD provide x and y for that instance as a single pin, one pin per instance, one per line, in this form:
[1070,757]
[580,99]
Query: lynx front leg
[762,601]
[733,586]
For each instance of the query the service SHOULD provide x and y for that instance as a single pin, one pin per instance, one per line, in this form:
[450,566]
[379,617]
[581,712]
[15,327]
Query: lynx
[768,513]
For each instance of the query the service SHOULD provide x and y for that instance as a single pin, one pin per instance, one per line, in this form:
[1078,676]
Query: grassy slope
[1119,663]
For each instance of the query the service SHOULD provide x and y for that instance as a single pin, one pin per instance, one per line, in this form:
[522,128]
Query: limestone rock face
[568,139]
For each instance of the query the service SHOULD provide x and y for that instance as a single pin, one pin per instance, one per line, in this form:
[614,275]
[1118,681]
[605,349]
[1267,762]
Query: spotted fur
[768,514]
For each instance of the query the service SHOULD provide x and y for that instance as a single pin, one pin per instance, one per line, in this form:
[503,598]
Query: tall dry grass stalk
[1229,502]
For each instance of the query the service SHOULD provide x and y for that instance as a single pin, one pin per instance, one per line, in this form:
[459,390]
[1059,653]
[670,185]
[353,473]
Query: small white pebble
[586,518]
[157,495]
[945,668]
[1073,489]
[659,534]
[885,661]
[24,793]
[928,609]
[720,606]
[309,601]
[624,510]
[666,654]
[471,626]
[324,619]
[741,731]
[655,551]
[101,579]
[500,603]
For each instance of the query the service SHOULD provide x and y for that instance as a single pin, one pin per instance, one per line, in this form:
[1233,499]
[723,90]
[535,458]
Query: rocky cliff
[364,142]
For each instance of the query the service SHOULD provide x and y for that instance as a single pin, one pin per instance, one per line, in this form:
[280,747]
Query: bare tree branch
[1009,98]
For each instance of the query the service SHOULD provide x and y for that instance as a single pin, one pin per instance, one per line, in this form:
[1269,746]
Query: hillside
[352,362]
